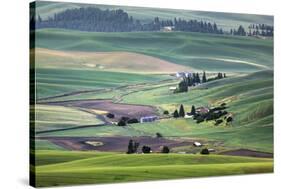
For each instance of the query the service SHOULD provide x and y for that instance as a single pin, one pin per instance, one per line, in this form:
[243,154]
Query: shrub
[165,150]
[219,121]
[146,149]
[229,119]
[176,114]
[166,112]
[110,115]
[133,120]
[125,119]
[159,135]
[223,104]
[205,151]
[121,123]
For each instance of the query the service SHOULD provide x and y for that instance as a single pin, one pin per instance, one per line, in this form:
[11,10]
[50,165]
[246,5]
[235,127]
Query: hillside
[121,167]
[224,20]
[249,97]
[110,61]
[198,51]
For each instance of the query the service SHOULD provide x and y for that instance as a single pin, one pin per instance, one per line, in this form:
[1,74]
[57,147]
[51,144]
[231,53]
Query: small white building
[172,88]
[167,28]
[148,119]
[197,144]
[188,116]
[183,74]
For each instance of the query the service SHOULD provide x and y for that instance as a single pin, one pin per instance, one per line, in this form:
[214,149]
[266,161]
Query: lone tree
[181,112]
[121,123]
[205,151]
[159,135]
[229,119]
[204,79]
[146,149]
[110,115]
[165,150]
[176,114]
[193,111]
[166,112]
[132,147]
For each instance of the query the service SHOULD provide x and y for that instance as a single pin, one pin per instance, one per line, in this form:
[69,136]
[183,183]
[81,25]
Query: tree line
[98,20]
[194,79]
[254,30]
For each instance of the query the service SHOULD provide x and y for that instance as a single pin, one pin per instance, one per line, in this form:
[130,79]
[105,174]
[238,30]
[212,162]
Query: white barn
[146,119]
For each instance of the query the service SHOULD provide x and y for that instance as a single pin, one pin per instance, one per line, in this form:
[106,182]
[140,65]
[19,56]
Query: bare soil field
[115,144]
[118,109]
[246,152]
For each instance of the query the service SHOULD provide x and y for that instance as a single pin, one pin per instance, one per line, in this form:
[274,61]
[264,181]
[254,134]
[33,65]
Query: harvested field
[113,144]
[246,152]
[110,61]
[118,109]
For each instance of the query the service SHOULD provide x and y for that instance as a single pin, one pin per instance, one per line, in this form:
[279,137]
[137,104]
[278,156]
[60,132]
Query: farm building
[148,119]
[172,88]
[202,110]
[167,28]
[197,144]
[188,116]
[183,74]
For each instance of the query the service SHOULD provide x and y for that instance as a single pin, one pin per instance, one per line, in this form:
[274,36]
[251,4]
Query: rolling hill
[121,168]
[110,61]
[224,20]
[195,50]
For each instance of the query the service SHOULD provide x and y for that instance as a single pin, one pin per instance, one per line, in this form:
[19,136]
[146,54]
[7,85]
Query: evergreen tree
[181,112]
[176,114]
[204,78]
[198,78]
[183,85]
[165,149]
[130,147]
[193,111]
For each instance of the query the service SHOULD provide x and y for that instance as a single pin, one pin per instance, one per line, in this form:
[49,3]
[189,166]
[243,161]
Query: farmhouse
[167,28]
[183,74]
[148,119]
[202,110]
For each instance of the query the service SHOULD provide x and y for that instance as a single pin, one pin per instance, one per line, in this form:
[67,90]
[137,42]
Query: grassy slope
[195,50]
[224,20]
[52,82]
[250,99]
[106,168]
[57,117]
[105,61]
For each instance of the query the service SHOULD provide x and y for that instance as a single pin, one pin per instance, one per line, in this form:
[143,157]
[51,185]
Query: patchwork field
[87,83]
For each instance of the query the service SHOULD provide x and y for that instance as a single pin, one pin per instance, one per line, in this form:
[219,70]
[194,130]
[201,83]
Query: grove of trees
[98,20]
